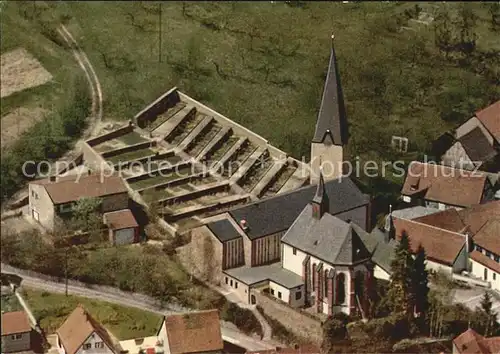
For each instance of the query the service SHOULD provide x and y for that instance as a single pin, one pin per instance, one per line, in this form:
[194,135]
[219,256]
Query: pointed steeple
[320,201]
[331,126]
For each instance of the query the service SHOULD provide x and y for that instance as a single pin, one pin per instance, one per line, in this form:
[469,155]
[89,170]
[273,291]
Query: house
[485,259]
[442,234]
[471,342]
[475,144]
[81,333]
[56,196]
[16,332]
[122,226]
[443,187]
[193,332]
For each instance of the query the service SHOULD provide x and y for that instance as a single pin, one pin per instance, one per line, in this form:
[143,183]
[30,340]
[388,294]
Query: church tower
[331,134]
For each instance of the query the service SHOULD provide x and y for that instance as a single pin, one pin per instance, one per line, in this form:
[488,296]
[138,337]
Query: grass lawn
[20,29]
[124,322]
[151,181]
[131,155]
[132,138]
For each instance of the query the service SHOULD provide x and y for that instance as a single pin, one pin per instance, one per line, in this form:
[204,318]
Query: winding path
[143,302]
[90,74]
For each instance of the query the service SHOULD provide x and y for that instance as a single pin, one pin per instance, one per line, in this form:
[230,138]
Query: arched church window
[341,288]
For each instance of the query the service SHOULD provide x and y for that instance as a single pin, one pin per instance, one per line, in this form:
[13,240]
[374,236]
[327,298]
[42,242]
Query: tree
[494,11]
[467,22]
[400,295]
[444,33]
[488,316]
[86,217]
[420,282]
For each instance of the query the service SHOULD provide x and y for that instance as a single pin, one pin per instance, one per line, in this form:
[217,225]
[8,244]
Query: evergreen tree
[400,297]
[489,317]
[420,281]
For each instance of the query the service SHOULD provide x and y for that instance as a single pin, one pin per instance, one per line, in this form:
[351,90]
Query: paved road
[229,332]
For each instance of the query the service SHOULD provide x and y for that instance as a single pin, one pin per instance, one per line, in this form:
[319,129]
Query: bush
[244,319]
[279,332]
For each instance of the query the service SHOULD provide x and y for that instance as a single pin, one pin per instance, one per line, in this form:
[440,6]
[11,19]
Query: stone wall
[93,160]
[160,105]
[129,148]
[296,321]
[111,135]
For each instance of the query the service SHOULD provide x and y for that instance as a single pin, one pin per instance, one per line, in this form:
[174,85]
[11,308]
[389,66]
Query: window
[99,345]
[488,254]
[298,295]
[279,295]
[87,346]
[494,276]
[236,284]
[16,336]
[64,208]
[294,251]
[227,281]
[485,274]
[272,291]
[231,282]
[497,259]
[341,288]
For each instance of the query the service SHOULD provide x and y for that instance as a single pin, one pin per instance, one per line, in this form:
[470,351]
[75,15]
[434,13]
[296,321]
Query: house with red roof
[16,332]
[471,342]
[474,144]
[444,187]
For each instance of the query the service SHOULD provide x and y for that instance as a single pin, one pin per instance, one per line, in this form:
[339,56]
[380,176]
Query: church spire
[320,201]
[331,126]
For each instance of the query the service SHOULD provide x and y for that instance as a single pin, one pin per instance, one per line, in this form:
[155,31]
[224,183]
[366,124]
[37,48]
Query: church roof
[276,214]
[329,239]
[331,126]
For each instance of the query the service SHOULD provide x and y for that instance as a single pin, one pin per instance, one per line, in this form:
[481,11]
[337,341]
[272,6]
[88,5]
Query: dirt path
[93,80]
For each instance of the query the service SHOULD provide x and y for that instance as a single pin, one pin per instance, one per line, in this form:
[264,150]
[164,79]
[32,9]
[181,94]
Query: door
[124,236]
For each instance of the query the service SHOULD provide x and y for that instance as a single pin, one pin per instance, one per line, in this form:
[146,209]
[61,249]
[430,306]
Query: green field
[123,322]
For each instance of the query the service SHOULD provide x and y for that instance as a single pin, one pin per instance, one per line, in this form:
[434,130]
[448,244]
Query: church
[308,247]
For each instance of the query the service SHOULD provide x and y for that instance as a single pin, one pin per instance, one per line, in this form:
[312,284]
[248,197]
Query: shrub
[244,319]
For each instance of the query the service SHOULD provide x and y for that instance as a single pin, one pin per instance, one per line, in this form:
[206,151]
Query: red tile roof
[485,261]
[448,219]
[471,342]
[478,215]
[69,189]
[488,237]
[121,219]
[79,325]
[468,342]
[444,184]
[440,245]
[15,322]
[194,332]
[490,117]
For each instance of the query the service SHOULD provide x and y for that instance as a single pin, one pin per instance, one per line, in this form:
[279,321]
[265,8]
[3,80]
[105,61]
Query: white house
[485,259]
[82,334]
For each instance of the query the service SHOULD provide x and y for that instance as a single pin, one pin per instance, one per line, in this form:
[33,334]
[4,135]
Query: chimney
[52,178]
[244,225]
